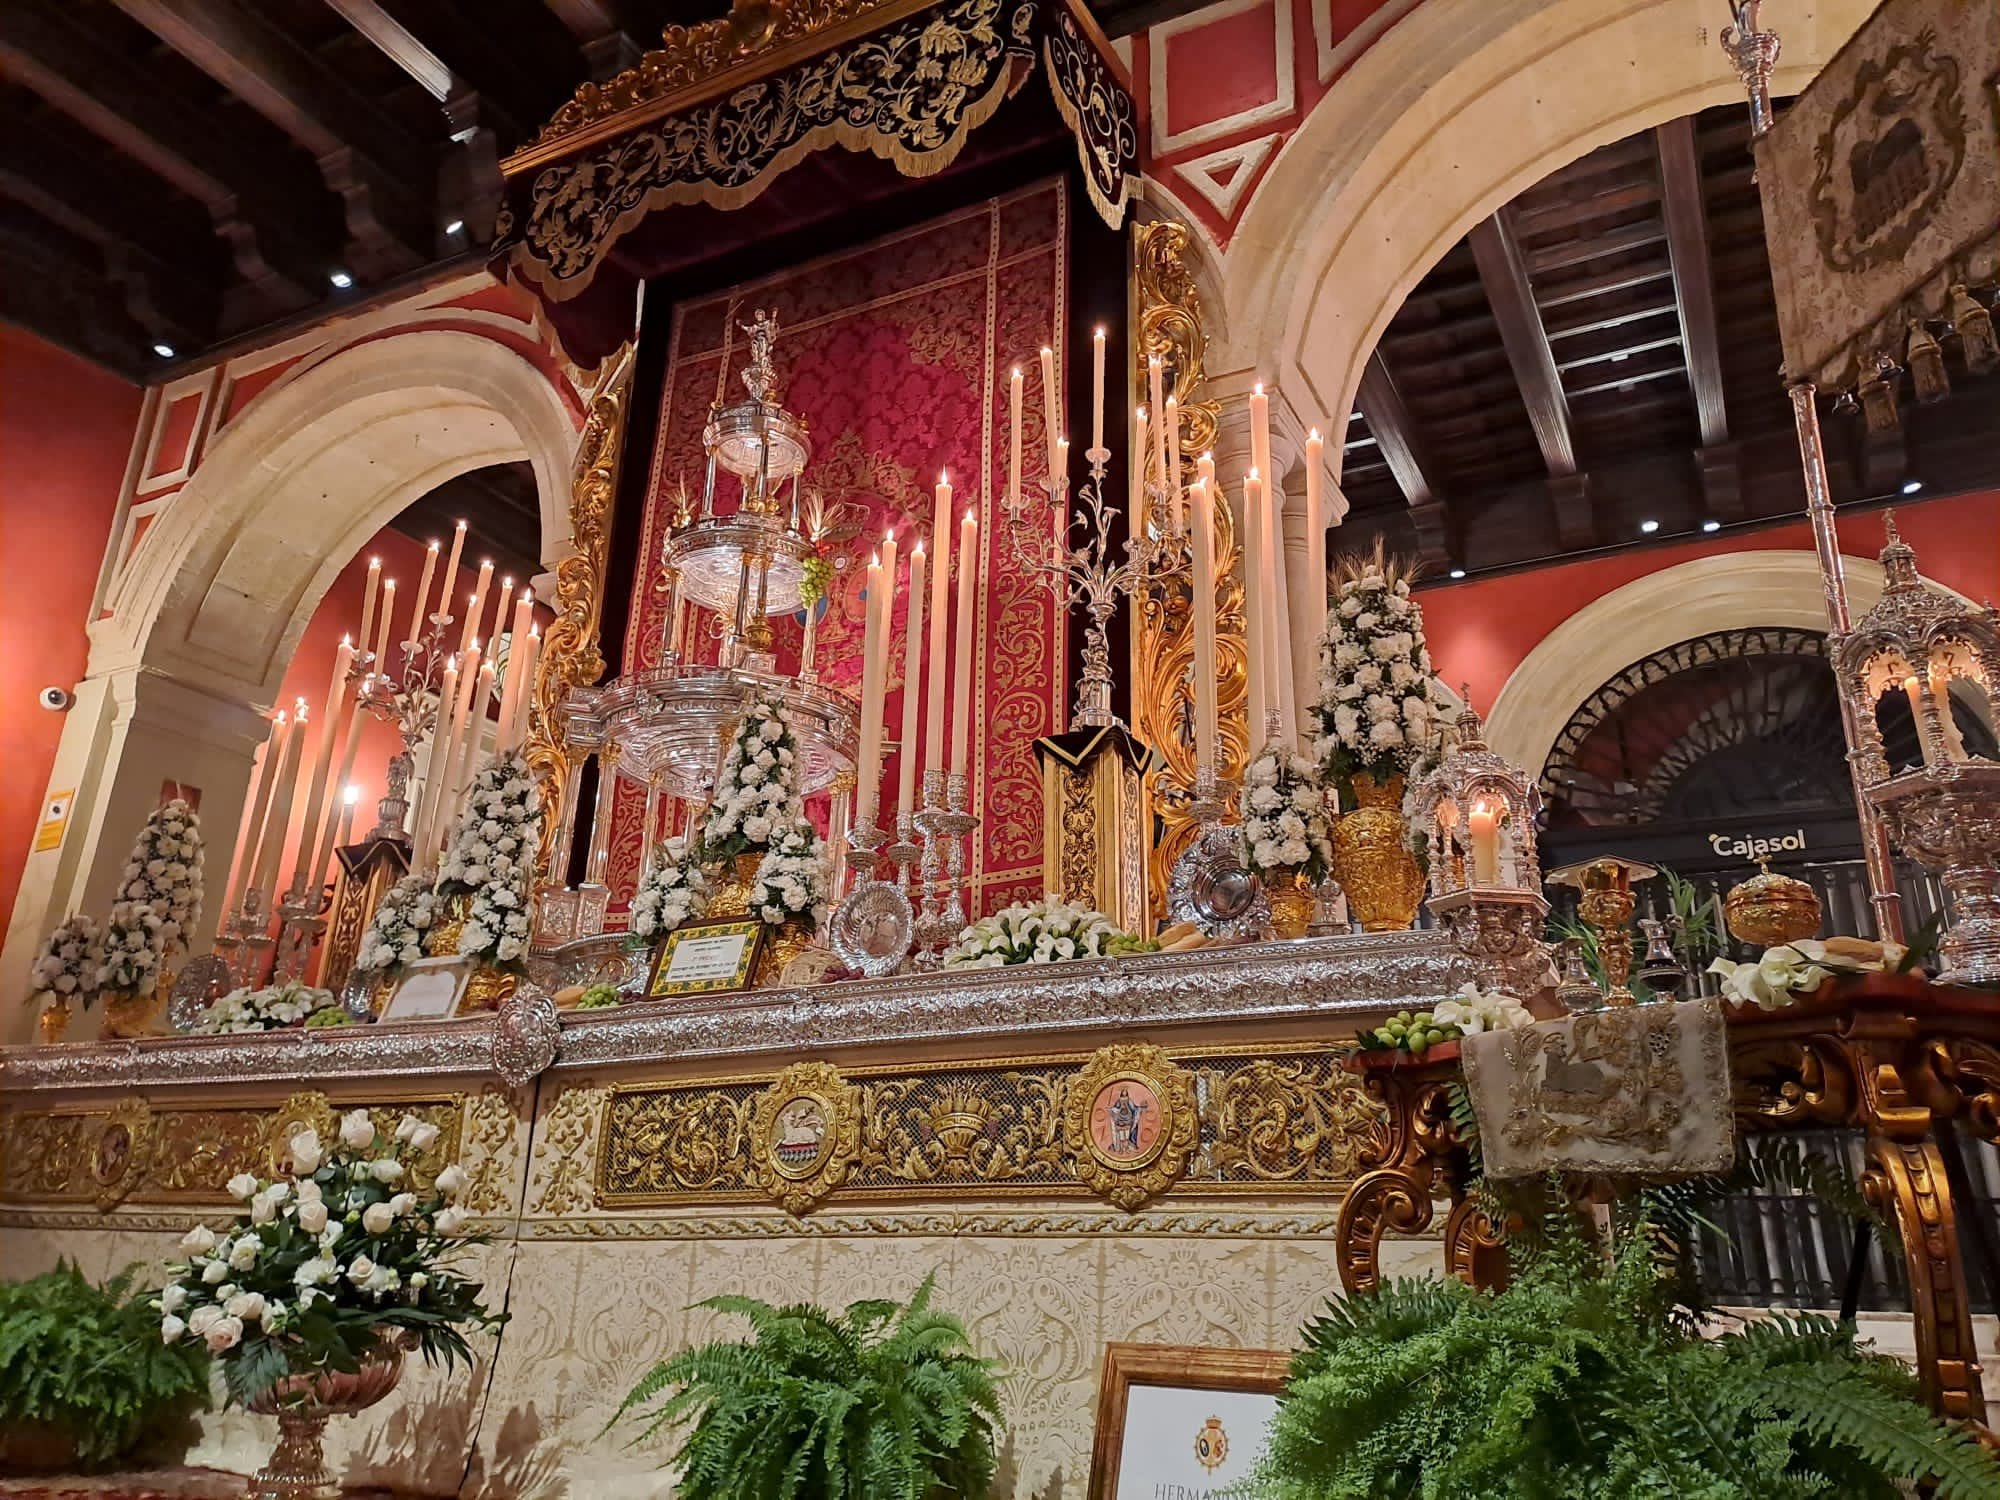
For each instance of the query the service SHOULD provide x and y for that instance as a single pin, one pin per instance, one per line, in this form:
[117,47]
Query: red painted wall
[65,430]
[1481,630]
[311,670]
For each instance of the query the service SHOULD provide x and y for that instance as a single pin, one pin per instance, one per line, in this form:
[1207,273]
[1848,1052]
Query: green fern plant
[1577,1380]
[88,1363]
[881,1402]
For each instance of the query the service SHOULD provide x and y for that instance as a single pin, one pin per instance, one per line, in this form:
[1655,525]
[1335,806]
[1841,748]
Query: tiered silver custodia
[665,729]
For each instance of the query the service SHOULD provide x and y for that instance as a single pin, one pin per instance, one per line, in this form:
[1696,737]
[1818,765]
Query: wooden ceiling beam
[1532,218]
[1621,241]
[1564,292]
[1694,281]
[1394,430]
[45,290]
[605,43]
[46,52]
[1504,273]
[384,177]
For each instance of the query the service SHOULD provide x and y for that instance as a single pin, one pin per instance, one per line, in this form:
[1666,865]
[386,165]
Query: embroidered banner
[897,354]
[1881,186]
[1636,1089]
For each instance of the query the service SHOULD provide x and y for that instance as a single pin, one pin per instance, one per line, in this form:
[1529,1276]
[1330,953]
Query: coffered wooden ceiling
[1603,353]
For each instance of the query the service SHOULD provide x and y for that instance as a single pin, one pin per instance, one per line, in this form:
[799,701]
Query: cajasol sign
[1754,846]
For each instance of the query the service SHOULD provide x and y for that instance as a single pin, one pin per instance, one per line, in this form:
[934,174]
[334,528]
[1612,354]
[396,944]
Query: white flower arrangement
[674,892]
[325,1259]
[158,900]
[1039,932]
[1378,707]
[1285,826]
[66,967]
[756,794]
[492,857]
[269,1009]
[1474,1010]
[395,938]
[791,882]
[1790,971]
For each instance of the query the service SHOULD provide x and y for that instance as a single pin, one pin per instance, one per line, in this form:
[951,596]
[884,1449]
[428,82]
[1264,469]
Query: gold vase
[732,896]
[128,1016]
[1372,858]
[303,1404]
[487,988]
[1292,901]
[442,940]
[782,944]
[54,1021]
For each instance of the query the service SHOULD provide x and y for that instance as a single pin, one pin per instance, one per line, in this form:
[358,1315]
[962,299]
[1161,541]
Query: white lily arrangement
[674,892]
[791,881]
[345,1246]
[1790,971]
[1037,932]
[1285,823]
[395,938]
[1473,1010]
[492,857]
[271,1008]
[756,794]
[1378,707]
[158,901]
[66,967]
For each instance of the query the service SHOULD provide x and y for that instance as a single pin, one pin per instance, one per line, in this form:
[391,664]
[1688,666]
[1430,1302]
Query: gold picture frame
[728,958]
[1175,1367]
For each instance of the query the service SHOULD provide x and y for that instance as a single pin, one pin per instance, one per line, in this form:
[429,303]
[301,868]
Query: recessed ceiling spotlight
[454,226]
[165,351]
[340,279]
[1649,527]
[1711,526]
[1458,572]
[1911,486]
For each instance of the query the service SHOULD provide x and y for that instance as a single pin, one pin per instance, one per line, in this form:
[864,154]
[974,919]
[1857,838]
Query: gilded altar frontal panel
[1123,1124]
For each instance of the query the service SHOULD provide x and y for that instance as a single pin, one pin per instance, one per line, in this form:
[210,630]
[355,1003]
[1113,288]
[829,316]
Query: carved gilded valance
[905,85]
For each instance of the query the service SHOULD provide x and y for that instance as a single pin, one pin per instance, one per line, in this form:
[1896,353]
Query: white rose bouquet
[66,968]
[1039,932]
[674,891]
[756,795]
[158,901]
[791,882]
[396,936]
[492,856]
[1378,709]
[1285,824]
[350,1244]
[272,1008]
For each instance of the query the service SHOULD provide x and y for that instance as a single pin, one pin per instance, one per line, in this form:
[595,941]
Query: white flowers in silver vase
[1378,707]
[395,937]
[1285,824]
[756,795]
[673,893]
[492,856]
[66,967]
[158,901]
[791,882]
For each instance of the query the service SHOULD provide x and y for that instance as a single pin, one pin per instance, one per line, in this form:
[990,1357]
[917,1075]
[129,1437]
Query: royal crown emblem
[1211,1445]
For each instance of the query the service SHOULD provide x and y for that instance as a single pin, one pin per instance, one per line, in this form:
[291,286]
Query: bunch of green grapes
[1414,1033]
[818,574]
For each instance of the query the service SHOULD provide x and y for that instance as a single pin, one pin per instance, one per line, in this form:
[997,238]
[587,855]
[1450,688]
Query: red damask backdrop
[897,354]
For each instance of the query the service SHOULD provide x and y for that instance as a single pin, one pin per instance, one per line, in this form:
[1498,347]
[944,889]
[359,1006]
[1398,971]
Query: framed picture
[1173,1420]
[428,990]
[707,958]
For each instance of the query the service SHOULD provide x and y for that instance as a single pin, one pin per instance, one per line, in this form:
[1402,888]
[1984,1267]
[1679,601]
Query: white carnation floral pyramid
[158,901]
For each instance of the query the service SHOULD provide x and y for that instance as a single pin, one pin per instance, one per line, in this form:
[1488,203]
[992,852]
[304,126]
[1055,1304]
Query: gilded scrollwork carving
[571,652]
[121,1150]
[1130,1123]
[491,1152]
[659,1144]
[948,1129]
[1281,1121]
[1414,1152]
[805,1132]
[562,1164]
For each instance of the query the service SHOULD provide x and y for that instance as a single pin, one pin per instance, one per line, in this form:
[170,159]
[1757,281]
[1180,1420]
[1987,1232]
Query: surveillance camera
[56,699]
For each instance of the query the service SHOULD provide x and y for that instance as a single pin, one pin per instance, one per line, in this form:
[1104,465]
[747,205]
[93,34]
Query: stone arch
[1460,106]
[224,585]
[1730,591]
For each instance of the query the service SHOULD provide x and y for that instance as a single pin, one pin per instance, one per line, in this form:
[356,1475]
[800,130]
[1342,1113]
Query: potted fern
[1591,1375]
[84,1378]
[883,1400]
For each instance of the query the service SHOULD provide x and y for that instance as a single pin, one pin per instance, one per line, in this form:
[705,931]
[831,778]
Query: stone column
[131,730]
